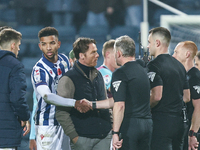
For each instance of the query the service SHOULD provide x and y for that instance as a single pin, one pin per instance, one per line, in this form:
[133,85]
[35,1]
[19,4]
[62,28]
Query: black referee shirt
[130,84]
[194,82]
[168,72]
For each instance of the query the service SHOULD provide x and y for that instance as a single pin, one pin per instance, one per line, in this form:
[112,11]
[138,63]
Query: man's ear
[107,53]
[81,56]
[12,46]
[59,43]
[39,44]
[158,43]
[188,53]
[118,54]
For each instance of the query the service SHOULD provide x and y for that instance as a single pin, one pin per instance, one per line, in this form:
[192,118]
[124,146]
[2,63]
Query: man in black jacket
[14,111]
[91,130]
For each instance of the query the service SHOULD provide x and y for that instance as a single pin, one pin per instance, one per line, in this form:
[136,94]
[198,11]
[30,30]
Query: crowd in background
[91,12]
[76,12]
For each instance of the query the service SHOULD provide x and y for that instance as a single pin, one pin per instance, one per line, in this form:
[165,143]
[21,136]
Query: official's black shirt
[194,82]
[168,72]
[130,84]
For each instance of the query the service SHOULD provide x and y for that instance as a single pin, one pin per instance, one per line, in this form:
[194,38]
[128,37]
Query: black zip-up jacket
[75,84]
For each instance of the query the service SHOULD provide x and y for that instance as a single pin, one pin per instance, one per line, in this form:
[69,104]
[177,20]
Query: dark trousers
[186,129]
[168,132]
[136,134]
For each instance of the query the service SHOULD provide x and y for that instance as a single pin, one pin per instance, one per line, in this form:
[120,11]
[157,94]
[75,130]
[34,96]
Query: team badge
[151,75]
[107,79]
[197,88]
[50,71]
[116,85]
[64,63]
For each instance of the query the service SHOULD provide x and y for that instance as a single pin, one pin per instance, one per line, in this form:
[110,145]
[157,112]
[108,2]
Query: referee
[169,88]
[131,92]
[185,53]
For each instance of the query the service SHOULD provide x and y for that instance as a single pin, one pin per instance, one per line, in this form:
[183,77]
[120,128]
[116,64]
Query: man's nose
[97,55]
[48,46]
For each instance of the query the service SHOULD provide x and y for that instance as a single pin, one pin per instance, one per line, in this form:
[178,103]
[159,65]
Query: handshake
[82,106]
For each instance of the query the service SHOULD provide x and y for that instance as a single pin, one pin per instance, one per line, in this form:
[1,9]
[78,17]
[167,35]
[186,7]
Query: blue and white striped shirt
[47,73]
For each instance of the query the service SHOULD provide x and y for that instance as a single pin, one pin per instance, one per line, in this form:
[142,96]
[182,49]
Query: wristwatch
[113,132]
[192,133]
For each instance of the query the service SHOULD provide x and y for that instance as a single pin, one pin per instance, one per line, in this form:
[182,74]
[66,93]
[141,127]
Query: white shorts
[51,138]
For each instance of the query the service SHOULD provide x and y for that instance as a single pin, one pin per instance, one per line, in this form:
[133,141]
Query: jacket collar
[4,53]
[93,72]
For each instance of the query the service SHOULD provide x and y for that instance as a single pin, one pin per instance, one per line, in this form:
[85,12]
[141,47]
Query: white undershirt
[54,99]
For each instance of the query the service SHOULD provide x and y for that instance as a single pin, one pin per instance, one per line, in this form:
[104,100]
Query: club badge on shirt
[107,79]
[64,63]
[51,72]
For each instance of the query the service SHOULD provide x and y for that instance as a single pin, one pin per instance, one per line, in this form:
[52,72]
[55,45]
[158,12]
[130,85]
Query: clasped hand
[83,105]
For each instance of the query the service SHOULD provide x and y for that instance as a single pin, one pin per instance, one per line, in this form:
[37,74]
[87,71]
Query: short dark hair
[4,27]
[162,32]
[47,31]
[126,45]
[107,45]
[81,45]
[8,35]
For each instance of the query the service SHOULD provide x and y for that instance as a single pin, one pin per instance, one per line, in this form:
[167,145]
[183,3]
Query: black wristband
[94,105]
[113,132]
[192,133]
